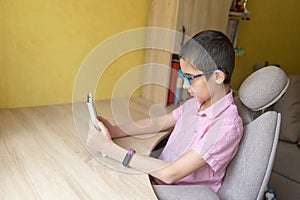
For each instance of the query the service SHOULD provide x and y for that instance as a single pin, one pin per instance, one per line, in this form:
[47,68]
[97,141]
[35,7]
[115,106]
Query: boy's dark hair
[210,50]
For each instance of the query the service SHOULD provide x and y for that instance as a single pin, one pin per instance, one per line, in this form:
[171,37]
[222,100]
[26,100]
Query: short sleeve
[177,112]
[219,144]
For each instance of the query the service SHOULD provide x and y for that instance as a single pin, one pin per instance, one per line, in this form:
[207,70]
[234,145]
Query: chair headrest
[263,88]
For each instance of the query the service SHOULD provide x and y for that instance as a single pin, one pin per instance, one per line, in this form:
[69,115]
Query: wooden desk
[43,157]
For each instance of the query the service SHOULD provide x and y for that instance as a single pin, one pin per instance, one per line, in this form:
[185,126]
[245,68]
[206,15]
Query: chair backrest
[248,173]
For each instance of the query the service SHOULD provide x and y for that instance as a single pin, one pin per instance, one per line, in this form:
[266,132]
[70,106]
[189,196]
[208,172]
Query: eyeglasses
[189,79]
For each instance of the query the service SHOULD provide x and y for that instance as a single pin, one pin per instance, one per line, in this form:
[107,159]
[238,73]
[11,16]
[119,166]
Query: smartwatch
[128,157]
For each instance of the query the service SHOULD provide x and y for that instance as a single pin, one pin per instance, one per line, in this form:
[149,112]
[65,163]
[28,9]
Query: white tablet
[92,110]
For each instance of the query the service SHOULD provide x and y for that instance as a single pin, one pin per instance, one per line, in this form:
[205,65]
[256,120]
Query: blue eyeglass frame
[189,79]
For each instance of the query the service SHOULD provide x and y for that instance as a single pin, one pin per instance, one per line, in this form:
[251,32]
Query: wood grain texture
[43,157]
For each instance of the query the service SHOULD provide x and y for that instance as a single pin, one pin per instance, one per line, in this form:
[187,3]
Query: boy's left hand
[99,140]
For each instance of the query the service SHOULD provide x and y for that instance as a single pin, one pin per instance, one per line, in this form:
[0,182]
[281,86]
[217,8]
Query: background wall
[44,42]
[271,35]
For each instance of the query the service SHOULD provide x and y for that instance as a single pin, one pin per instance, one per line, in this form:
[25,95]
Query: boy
[207,128]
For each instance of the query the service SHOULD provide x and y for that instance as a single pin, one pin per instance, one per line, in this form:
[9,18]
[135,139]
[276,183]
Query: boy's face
[199,88]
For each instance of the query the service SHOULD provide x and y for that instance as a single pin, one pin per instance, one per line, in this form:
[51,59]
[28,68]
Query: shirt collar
[215,109]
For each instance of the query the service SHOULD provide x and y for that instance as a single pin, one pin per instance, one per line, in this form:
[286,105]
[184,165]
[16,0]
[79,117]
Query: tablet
[92,111]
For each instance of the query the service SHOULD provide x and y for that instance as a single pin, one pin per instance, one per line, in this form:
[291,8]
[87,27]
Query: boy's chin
[191,94]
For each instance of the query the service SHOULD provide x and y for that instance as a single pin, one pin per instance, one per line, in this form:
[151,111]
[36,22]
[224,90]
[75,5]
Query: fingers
[104,121]
[100,118]
[102,127]
[94,137]
[98,139]
[92,125]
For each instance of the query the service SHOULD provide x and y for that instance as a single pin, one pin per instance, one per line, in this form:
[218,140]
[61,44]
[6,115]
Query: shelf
[195,16]
[239,52]
[243,15]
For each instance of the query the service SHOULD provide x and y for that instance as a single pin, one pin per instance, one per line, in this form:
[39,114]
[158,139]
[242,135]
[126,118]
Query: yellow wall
[43,43]
[271,35]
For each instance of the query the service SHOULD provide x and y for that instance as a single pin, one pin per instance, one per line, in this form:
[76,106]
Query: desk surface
[43,157]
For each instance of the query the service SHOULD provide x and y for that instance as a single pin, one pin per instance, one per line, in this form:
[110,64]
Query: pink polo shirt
[213,133]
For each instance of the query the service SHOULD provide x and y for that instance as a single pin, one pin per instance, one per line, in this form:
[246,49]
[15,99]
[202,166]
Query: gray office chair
[248,173]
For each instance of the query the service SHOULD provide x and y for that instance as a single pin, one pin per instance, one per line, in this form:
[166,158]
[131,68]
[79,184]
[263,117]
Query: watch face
[128,157]
[126,160]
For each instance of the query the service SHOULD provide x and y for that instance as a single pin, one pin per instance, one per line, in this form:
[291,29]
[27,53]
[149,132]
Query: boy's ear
[219,77]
